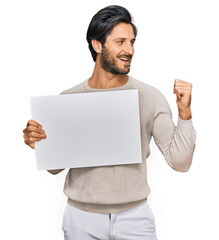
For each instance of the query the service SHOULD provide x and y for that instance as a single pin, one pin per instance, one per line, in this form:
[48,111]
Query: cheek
[115,50]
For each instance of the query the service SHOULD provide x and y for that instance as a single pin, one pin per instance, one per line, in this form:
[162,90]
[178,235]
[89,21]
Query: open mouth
[125,59]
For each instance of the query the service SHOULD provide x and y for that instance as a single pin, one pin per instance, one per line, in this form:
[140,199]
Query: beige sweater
[111,189]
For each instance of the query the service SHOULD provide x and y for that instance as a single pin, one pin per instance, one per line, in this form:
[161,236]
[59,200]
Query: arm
[176,143]
[34,132]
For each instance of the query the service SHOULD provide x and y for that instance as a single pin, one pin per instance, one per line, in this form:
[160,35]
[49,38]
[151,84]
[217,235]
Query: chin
[123,71]
[126,72]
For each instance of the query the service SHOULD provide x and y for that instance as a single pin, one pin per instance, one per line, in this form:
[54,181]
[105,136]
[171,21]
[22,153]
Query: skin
[120,48]
[183,91]
[120,42]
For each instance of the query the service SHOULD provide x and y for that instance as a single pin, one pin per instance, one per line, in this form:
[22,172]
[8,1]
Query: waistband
[105,208]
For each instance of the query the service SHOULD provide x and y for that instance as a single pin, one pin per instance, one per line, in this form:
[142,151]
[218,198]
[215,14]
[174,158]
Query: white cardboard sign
[88,129]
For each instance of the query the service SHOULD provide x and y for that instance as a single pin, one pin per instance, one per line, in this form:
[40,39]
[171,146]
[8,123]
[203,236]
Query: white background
[43,50]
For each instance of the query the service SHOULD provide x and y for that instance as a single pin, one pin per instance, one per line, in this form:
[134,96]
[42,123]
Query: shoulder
[147,91]
[151,97]
[76,89]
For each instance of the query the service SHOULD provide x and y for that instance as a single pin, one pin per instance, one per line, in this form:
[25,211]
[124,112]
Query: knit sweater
[113,189]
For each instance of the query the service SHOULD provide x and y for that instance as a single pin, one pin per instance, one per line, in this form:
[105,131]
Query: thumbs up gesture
[183,91]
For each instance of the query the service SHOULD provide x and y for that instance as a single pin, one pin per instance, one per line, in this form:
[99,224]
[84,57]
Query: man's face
[118,50]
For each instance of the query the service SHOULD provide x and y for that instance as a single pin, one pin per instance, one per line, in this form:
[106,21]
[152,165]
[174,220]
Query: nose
[129,49]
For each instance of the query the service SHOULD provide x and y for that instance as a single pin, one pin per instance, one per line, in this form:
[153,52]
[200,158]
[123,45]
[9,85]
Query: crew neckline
[124,86]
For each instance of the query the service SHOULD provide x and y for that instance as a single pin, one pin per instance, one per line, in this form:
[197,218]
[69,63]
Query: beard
[108,62]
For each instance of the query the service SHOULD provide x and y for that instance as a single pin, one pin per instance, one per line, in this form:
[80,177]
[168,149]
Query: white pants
[134,224]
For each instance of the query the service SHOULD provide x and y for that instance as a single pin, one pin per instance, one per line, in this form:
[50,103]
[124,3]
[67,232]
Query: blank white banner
[88,129]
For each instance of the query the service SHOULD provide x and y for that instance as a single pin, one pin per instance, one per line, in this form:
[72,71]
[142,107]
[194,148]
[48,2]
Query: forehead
[122,30]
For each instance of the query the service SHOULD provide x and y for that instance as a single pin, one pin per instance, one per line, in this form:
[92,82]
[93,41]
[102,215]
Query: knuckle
[29,122]
[32,139]
[32,134]
[30,128]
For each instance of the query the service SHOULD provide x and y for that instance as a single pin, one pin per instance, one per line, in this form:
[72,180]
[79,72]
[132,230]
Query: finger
[184,87]
[174,87]
[34,123]
[32,140]
[179,95]
[182,83]
[33,129]
[32,145]
[183,91]
[178,81]
[35,135]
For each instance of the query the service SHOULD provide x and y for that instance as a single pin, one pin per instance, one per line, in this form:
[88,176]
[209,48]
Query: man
[110,202]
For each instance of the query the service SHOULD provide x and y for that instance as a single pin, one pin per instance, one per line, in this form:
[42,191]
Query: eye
[120,42]
[132,42]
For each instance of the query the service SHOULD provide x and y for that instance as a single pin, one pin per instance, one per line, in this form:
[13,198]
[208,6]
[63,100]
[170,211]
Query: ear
[97,46]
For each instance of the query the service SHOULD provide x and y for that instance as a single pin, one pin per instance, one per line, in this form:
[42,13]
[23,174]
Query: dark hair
[103,22]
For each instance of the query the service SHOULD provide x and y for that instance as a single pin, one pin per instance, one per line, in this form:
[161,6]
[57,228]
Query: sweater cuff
[186,125]
[181,121]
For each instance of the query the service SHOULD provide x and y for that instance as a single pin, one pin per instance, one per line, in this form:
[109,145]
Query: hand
[183,91]
[33,133]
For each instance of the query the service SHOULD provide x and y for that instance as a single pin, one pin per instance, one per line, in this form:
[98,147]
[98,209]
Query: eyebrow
[124,39]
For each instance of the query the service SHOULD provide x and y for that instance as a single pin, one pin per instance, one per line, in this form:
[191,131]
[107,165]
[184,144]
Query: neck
[101,79]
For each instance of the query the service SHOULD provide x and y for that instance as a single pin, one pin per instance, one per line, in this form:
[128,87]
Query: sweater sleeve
[177,143]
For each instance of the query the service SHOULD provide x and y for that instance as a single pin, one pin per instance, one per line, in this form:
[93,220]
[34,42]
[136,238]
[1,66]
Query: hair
[104,21]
